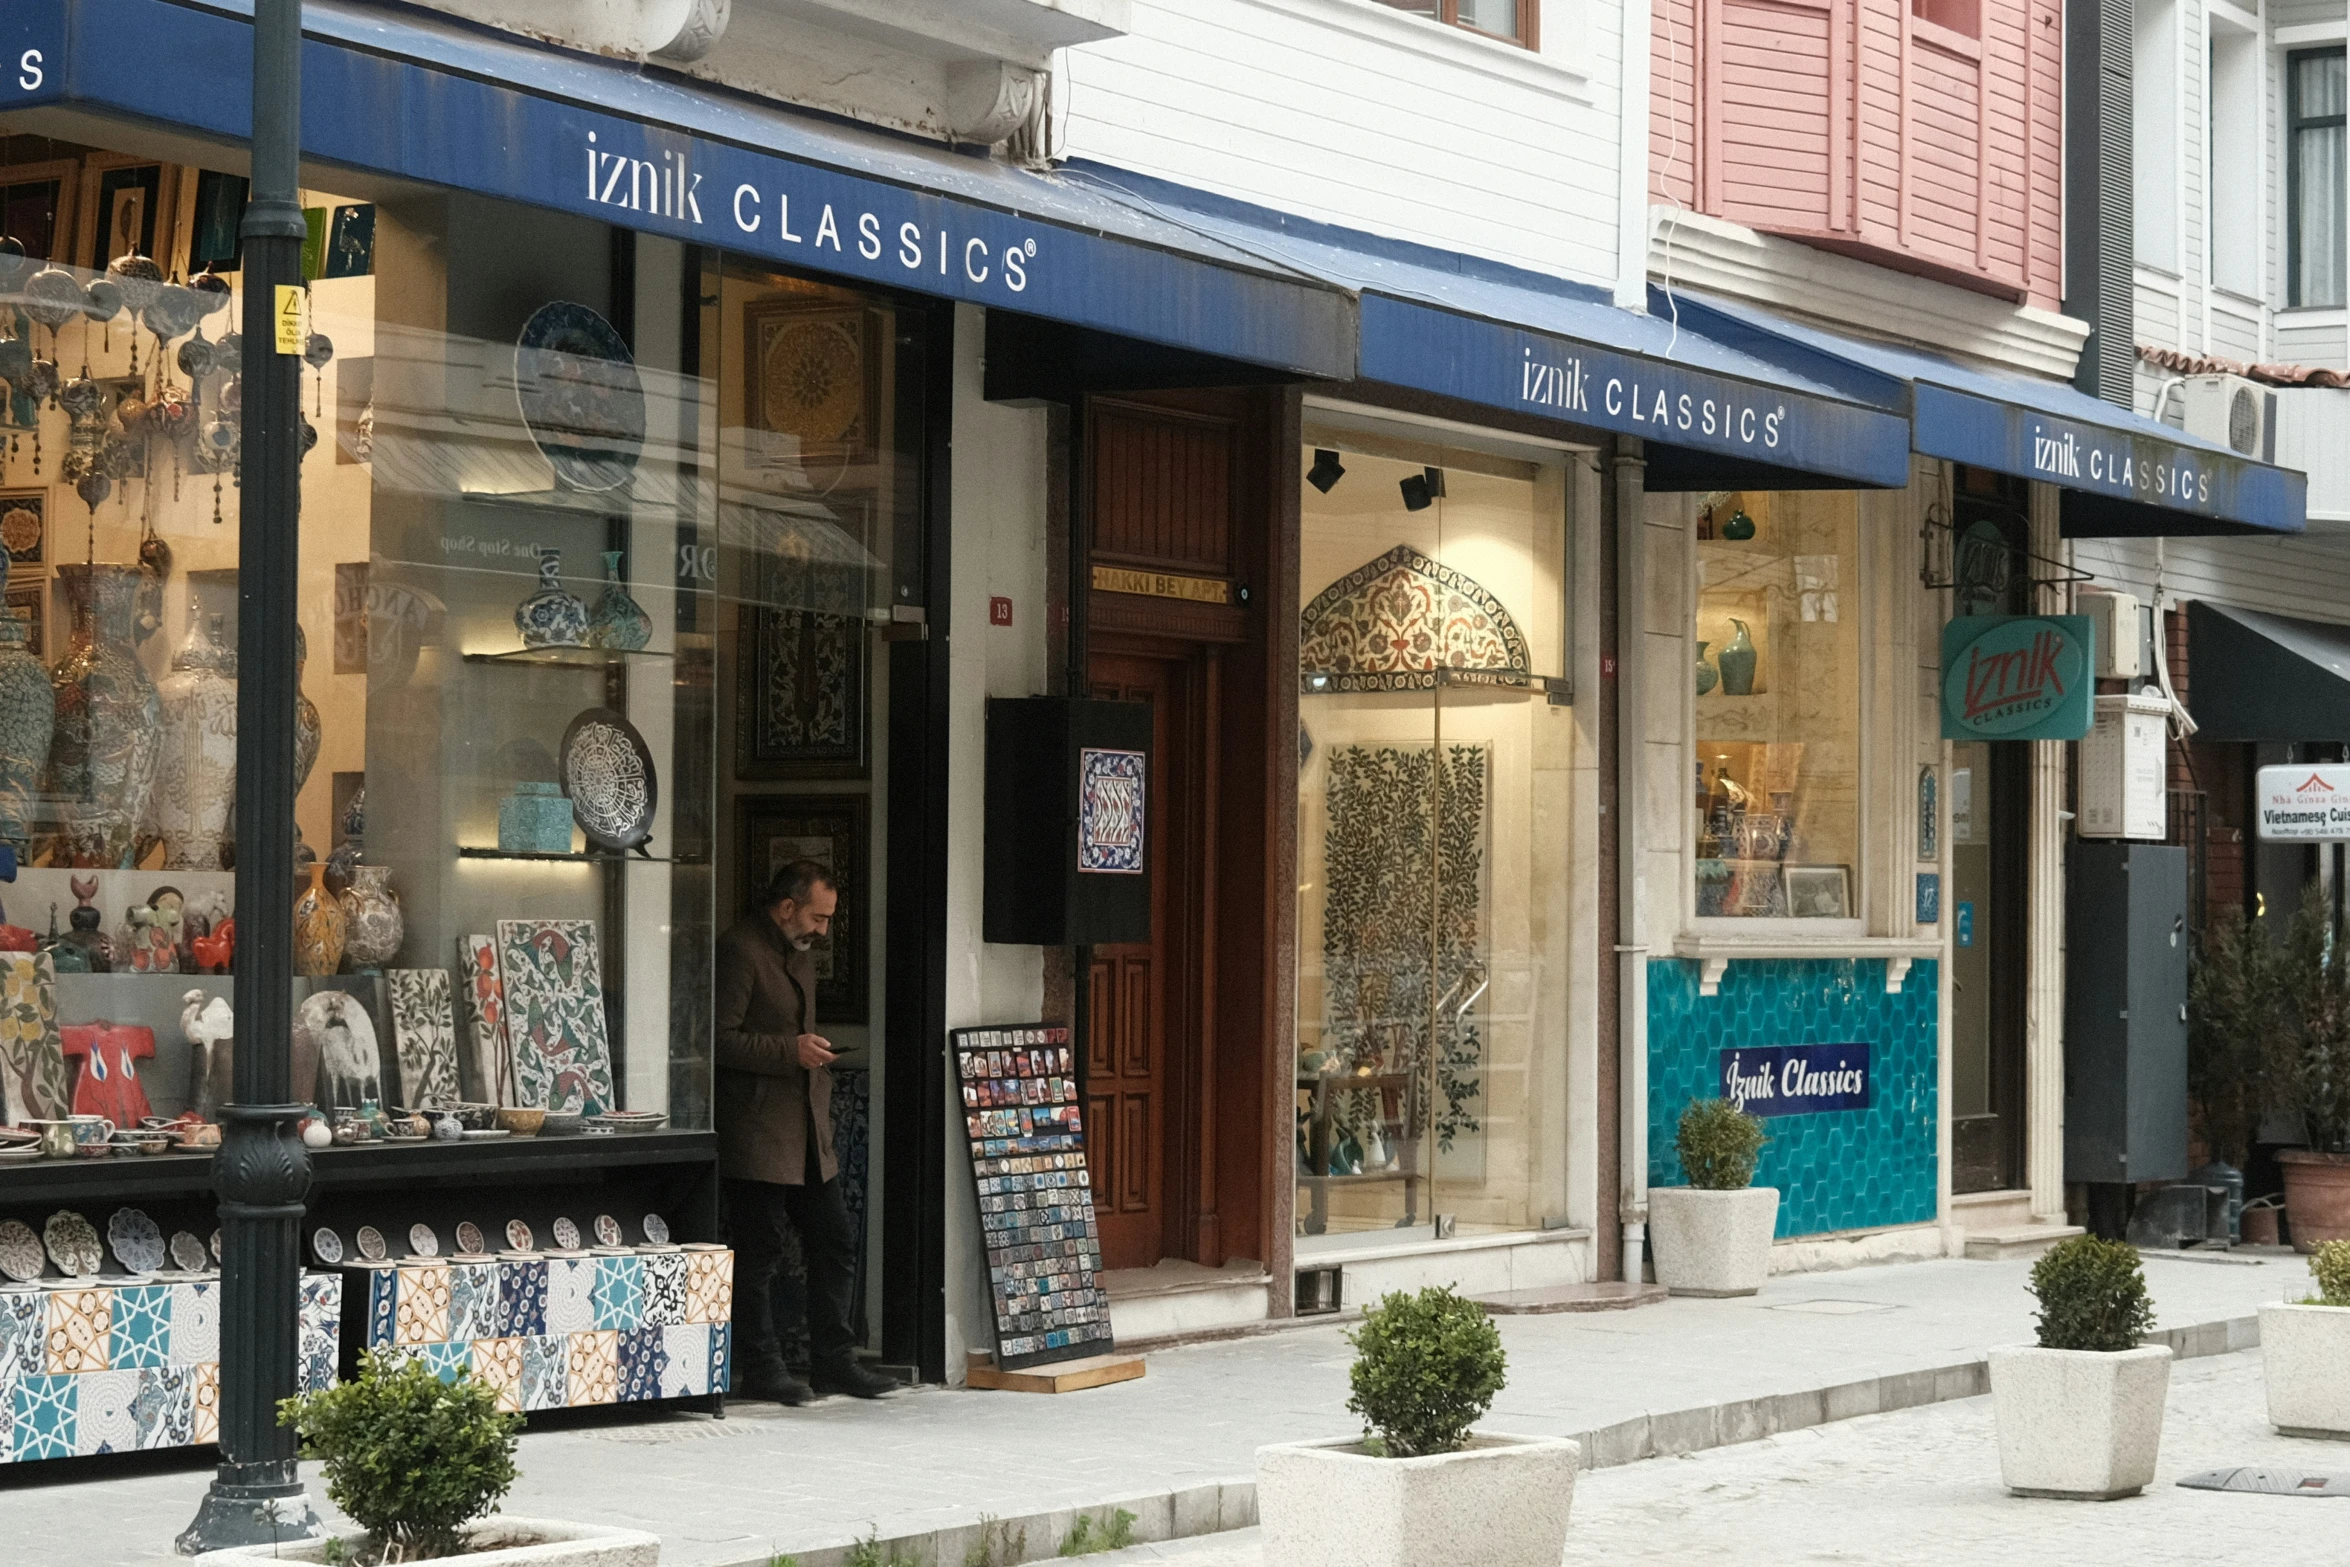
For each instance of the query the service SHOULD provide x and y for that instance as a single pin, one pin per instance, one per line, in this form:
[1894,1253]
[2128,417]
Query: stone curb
[1179,1514]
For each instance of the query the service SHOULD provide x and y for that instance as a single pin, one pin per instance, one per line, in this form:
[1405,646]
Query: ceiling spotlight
[1326,472]
[1421,488]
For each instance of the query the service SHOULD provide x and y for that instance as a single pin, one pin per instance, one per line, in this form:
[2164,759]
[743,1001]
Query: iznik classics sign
[2017,677]
[1796,1079]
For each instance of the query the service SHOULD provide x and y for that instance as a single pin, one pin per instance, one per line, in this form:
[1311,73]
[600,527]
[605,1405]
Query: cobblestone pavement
[765,1479]
[1922,1487]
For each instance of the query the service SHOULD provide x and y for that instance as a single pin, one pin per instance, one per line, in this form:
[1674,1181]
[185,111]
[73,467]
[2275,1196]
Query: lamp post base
[255,1510]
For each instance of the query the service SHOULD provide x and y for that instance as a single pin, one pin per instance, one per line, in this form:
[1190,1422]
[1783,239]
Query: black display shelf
[567,657]
[117,1176]
[469,851]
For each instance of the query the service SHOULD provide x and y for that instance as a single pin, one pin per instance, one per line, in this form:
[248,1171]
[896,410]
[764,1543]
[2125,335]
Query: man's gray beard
[801,943]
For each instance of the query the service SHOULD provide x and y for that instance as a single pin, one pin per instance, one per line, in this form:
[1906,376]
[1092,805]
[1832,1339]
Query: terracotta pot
[2317,1196]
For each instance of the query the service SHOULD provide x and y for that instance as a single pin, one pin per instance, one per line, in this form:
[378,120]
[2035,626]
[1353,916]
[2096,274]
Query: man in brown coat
[774,1115]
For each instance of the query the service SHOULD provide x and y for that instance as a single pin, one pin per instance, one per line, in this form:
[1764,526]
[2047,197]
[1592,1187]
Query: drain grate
[2269,1482]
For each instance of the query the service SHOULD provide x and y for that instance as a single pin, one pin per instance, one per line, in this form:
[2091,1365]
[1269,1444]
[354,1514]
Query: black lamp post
[262,1172]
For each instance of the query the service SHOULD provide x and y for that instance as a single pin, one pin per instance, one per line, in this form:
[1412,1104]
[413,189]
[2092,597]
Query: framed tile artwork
[811,385]
[771,831]
[1110,815]
[33,599]
[555,1023]
[24,525]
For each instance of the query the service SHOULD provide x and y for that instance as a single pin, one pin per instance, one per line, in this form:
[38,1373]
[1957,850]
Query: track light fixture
[1326,471]
[1421,488]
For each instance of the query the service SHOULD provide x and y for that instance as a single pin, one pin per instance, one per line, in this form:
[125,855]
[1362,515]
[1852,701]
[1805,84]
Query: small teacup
[57,1139]
[91,1133]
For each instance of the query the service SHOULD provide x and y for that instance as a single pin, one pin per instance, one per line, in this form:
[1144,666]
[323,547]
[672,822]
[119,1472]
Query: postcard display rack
[1044,1254]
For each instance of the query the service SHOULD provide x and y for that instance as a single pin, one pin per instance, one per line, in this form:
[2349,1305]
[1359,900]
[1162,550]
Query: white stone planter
[1712,1243]
[1499,1502]
[2305,1359]
[499,1541]
[2078,1423]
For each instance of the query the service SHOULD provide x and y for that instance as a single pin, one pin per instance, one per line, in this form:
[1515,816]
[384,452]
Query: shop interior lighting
[1326,471]
[1421,488]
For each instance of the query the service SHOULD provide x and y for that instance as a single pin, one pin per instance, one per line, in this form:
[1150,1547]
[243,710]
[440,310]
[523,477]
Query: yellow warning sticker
[293,325]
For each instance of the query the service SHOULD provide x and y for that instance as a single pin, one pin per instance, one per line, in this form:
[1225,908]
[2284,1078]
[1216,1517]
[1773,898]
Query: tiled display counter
[555,1330]
[114,1366]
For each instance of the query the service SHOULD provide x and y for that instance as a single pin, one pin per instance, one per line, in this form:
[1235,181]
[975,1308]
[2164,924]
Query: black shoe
[852,1379]
[774,1387]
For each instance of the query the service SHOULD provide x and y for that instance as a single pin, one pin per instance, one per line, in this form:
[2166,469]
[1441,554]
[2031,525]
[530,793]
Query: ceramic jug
[618,621]
[551,617]
[371,918]
[1706,678]
[319,926]
[1737,662]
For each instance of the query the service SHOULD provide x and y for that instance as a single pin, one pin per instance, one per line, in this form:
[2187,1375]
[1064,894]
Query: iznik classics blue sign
[1796,1079]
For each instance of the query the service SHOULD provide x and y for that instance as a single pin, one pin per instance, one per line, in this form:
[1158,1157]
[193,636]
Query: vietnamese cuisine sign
[2304,803]
[1796,1079]
[2017,677]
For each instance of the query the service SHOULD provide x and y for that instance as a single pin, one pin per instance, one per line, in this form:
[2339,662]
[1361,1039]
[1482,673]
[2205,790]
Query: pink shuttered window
[1919,134]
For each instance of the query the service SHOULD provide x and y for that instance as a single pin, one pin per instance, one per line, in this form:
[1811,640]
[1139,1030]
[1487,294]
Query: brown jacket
[766,1100]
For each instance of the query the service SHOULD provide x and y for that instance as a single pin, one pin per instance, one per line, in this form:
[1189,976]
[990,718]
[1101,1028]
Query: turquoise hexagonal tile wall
[1837,1169]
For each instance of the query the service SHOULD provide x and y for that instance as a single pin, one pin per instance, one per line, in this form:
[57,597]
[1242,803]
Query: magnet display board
[1044,1253]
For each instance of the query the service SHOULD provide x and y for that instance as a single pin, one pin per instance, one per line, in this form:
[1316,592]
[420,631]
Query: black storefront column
[262,1172]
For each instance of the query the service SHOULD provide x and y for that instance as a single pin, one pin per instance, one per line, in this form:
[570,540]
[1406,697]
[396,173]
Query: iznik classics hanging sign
[1796,1079]
[2017,677]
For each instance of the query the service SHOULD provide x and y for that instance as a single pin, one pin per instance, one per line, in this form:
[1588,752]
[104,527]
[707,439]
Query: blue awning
[2123,475]
[434,100]
[1715,415]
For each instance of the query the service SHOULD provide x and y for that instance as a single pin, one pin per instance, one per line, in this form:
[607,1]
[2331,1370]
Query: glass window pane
[1777,786]
[1499,17]
[2321,90]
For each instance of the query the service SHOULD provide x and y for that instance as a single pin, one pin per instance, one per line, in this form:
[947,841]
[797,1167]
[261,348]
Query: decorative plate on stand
[73,1244]
[607,1230]
[137,1243]
[580,395]
[470,1240]
[566,1235]
[656,1229]
[20,1252]
[518,1235]
[216,1246]
[189,1252]
[371,1243]
[326,1246]
[422,1241]
[608,772]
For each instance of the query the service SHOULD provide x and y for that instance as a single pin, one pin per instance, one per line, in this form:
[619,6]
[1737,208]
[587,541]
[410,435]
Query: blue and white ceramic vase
[618,621]
[109,731]
[551,617]
[28,717]
[196,778]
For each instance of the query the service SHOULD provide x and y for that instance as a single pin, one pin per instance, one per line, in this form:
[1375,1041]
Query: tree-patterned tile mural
[1835,1169]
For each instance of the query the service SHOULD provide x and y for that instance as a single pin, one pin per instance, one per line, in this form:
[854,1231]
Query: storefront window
[1777,780]
[1432,828]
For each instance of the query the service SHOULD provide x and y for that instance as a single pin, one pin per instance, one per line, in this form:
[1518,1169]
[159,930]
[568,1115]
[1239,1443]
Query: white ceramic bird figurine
[205,1023]
[207,1026]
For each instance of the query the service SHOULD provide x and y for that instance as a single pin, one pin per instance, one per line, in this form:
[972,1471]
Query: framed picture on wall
[33,599]
[771,831]
[1819,892]
[800,667]
[129,212]
[812,387]
[24,525]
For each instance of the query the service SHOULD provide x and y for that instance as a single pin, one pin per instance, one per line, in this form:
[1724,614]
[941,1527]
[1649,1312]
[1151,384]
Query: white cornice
[1690,250]
[1383,24]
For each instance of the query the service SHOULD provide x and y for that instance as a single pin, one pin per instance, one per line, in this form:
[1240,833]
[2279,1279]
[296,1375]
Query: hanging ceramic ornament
[154,571]
[28,718]
[316,353]
[52,297]
[196,773]
[173,312]
[109,721]
[617,620]
[551,617]
[14,264]
[213,289]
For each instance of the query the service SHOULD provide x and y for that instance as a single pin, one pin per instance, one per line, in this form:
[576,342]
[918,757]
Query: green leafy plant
[2313,1070]
[2092,1295]
[869,1552]
[2240,1008]
[1717,1143]
[2330,1265]
[1426,1368]
[999,1544]
[411,1459]
[1089,1536]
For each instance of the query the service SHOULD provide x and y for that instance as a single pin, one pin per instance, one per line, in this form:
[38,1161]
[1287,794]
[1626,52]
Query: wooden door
[1134,1043]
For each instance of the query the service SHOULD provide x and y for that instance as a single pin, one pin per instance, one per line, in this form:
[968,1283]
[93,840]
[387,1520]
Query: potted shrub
[2236,1012]
[2315,1076]
[1417,1486]
[2305,1351]
[2080,1413]
[419,1465]
[1713,1236]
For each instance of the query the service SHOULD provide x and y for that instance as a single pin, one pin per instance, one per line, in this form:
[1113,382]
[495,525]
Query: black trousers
[763,1218]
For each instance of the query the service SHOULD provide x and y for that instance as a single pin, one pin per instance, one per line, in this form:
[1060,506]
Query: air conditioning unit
[2238,414]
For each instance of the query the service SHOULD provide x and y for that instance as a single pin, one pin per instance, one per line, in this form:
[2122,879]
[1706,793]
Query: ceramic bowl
[521,1122]
[562,1123]
[201,1135]
[632,1121]
[476,1118]
[143,1142]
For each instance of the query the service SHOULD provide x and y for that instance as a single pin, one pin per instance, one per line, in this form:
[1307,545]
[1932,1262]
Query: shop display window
[1432,839]
[1777,779]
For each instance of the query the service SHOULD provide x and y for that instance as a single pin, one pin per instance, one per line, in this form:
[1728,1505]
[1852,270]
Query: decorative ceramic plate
[608,772]
[21,1151]
[422,1241]
[216,1245]
[518,1235]
[607,1230]
[20,1251]
[73,1244]
[326,1246]
[137,1243]
[656,1229]
[371,1243]
[469,1238]
[485,1134]
[188,1251]
[567,1235]
[580,395]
